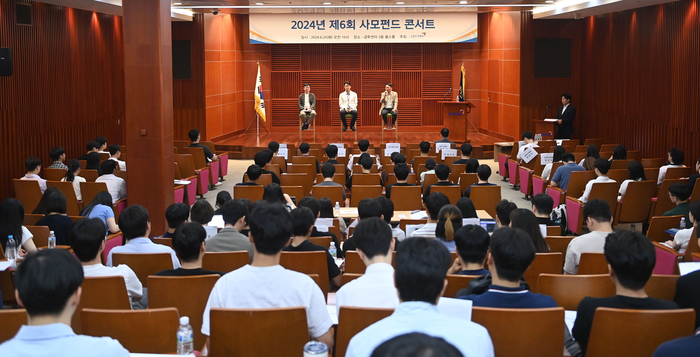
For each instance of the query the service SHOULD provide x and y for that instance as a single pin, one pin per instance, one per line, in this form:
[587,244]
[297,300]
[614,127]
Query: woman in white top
[682,238]
[558,152]
[429,169]
[676,158]
[11,218]
[636,171]
[72,176]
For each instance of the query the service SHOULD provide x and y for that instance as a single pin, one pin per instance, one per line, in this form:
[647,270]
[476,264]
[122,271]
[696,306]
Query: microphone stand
[445,95]
[544,116]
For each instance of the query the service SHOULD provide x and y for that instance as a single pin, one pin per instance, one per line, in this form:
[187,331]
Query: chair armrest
[556,188]
[119,201]
[113,235]
[668,249]
[574,200]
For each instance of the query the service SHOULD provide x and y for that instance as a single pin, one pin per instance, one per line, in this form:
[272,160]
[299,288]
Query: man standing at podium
[390,100]
[566,115]
[348,105]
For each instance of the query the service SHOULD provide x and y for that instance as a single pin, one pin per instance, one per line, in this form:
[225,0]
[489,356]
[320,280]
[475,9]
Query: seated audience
[529,140]
[229,239]
[314,205]
[92,157]
[559,151]
[466,151]
[510,254]
[304,150]
[363,146]
[433,205]
[524,219]
[328,211]
[11,218]
[686,346]
[442,172]
[542,205]
[56,219]
[598,217]
[253,172]
[416,345]
[401,172]
[466,206]
[275,148]
[429,169]
[366,163]
[201,212]
[688,291]
[631,258]
[33,165]
[676,158]
[693,178]
[176,214]
[472,166]
[424,147]
[136,228]
[328,171]
[88,242]
[221,198]
[41,206]
[449,220]
[503,210]
[679,194]
[58,156]
[682,237]
[274,194]
[421,267]
[270,228]
[445,133]
[188,243]
[262,158]
[115,152]
[388,214]
[484,172]
[72,176]
[602,167]
[592,154]
[115,184]
[101,207]
[472,243]
[194,139]
[367,208]
[47,284]
[619,153]
[563,173]
[636,172]
[394,161]
[102,141]
[332,153]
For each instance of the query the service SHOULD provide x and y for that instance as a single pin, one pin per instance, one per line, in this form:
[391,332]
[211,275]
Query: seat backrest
[577,183]
[420,160]
[653,163]
[188,294]
[352,320]
[513,333]
[297,179]
[308,170]
[453,193]
[180,144]
[558,243]
[246,332]
[457,282]
[294,191]
[428,179]
[308,263]
[104,292]
[353,263]
[364,191]
[334,193]
[486,198]
[666,259]
[144,264]
[695,196]
[279,160]
[613,329]
[28,192]
[31,219]
[692,247]
[620,164]
[12,320]
[263,180]
[619,175]
[338,177]
[391,179]
[185,164]
[90,189]
[53,174]
[553,231]
[200,162]
[139,331]
[581,148]
[225,262]
[455,169]
[406,198]
[660,224]
[357,168]
[607,147]
[41,235]
[678,172]
[606,191]
[662,286]
[252,192]
[544,263]
[163,241]
[592,263]
[569,290]
[663,202]
[72,207]
[307,160]
[466,180]
[365,179]
[322,241]
[637,202]
[598,142]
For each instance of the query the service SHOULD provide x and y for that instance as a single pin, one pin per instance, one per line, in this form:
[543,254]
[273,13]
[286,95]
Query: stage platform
[245,146]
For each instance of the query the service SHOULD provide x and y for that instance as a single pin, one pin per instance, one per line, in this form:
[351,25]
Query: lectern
[543,127]
[454,117]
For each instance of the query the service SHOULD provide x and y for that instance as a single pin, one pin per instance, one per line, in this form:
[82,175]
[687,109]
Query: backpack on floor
[559,215]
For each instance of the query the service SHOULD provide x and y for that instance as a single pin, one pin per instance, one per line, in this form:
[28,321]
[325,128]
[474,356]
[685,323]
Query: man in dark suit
[566,115]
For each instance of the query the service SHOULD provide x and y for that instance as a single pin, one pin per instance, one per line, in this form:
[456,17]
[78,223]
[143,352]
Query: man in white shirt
[48,285]
[599,220]
[363,145]
[433,203]
[375,288]
[115,151]
[87,238]
[266,284]
[116,186]
[676,158]
[307,106]
[348,105]
[388,214]
[602,166]
[136,228]
[33,165]
[421,268]
[529,140]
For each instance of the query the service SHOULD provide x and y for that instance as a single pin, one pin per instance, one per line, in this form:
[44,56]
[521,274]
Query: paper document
[5,264]
[284,152]
[569,319]
[419,215]
[211,231]
[441,146]
[182,182]
[458,308]
[216,221]
[412,227]
[283,146]
[471,221]
[342,152]
[528,154]
[339,145]
[551,120]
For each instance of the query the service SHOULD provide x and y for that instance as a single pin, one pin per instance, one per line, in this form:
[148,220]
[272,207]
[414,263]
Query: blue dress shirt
[57,340]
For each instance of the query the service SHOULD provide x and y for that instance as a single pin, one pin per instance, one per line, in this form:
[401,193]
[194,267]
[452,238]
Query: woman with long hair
[449,221]
[619,153]
[591,155]
[274,194]
[636,171]
[558,152]
[526,220]
[101,207]
[328,211]
[41,206]
[72,176]
[466,206]
[55,217]
[11,218]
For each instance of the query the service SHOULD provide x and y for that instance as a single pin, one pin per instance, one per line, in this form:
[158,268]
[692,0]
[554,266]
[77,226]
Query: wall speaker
[5,61]
[182,59]
[23,14]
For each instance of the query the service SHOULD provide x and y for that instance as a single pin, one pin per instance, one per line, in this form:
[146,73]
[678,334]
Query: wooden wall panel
[67,87]
[437,56]
[436,84]
[406,56]
[291,86]
[285,112]
[376,57]
[189,107]
[346,57]
[407,84]
[374,83]
[316,58]
[287,57]
[337,86]
[320,83]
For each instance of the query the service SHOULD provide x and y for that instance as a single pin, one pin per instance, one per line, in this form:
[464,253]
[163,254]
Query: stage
[244,146]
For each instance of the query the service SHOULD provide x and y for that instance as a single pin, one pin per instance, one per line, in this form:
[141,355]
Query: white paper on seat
[332,313]
[472,221]
[458,308]
[217,221]
[321,228]
[283,152]
[392,148]
[327,222]
[339,145]
[448,152]
[341,152]
[182,182]
[5,264]
[440,146]
[688,267]
[569,319]
[543,230]
[211,231]
[419,215]
[348,211]
[528,154]
[283,146]
[546,158]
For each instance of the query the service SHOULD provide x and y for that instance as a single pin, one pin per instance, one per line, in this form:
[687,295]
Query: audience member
[636,172]
[524,219]
[449,220]
[466,206]
[510,254]
[250,205]
[275,148]
[679,194]
[304,150]
[56,219]
[598,217]
[416,345]
[401,172]
[58,156]
[328,171]
[529,140]
[266,284]
[72,176]
[442,172]
[363,145]
[328,211]
[87,240]
[592,154]
[33,165]
[188,243]
[466,151]
[194,139]
[503,210]
[619,153]
[631,258]
[201,212]
[472,243]
[688,291]
[92,157]
[262,158]
[221,198]
[388,214]
[484,172]
[136,228]
[115,152]
[602,167]
[274,194]
[101,207]
[102,141]
[332,153]
[314,205]
[41,206]
[116,186]
[558,152]
[429,169]
[176,214]
[47,284]
[542,205]
[11,218]
[682,237]
[433,205]
[693,178]
[367,208]
[676,158]
[563,173]
[445,133]
[421,267]
[253,172]
[472,166]
[229,239]
[395,157]
[424,147]
[686,346]
[366,163]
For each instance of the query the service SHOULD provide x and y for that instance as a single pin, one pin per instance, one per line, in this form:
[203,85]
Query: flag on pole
[461,85]
[259,101]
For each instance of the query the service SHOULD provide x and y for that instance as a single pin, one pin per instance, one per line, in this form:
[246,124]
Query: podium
[542,127]
[454,117]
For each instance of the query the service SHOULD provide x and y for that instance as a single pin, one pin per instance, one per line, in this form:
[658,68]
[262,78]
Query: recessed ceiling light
[326,3]
[177,3]
[464,2]
[399,3]
[549,1]
[259,3]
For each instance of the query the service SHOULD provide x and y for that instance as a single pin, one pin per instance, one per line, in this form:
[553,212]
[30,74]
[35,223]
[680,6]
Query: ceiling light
[399,3]
[463,2]
[549,1]
[259,3]
[177,3]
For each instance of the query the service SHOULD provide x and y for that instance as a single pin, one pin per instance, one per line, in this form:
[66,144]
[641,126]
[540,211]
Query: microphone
[445,95]
[544,116]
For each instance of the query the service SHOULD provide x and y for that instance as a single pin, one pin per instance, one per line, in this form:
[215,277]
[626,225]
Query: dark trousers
[342,117]
[386,111]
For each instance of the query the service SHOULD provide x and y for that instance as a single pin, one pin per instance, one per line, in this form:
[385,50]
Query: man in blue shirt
[421,267]
[686,346]
[48,286]
[561,176]
[511,252]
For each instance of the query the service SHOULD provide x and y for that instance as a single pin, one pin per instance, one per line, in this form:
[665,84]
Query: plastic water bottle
[315,349]
[52,240]
[185,344]
[11,250]
[333,251]
[337,206]
[682,222]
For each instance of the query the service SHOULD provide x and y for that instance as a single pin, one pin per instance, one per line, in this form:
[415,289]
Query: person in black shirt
[542,206]
[366,163]
[631,257]
[188,243]
[194,138]
[304,150]
[442,172]
[472,243]
[688,290]
[484,172]
[275,148]
[401,172]
[55,218]
[221,198]
[253,172]
[466,150]
[262,158]
[92,157]
[176,214]
[303,225]
[332,153]
[314,205]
